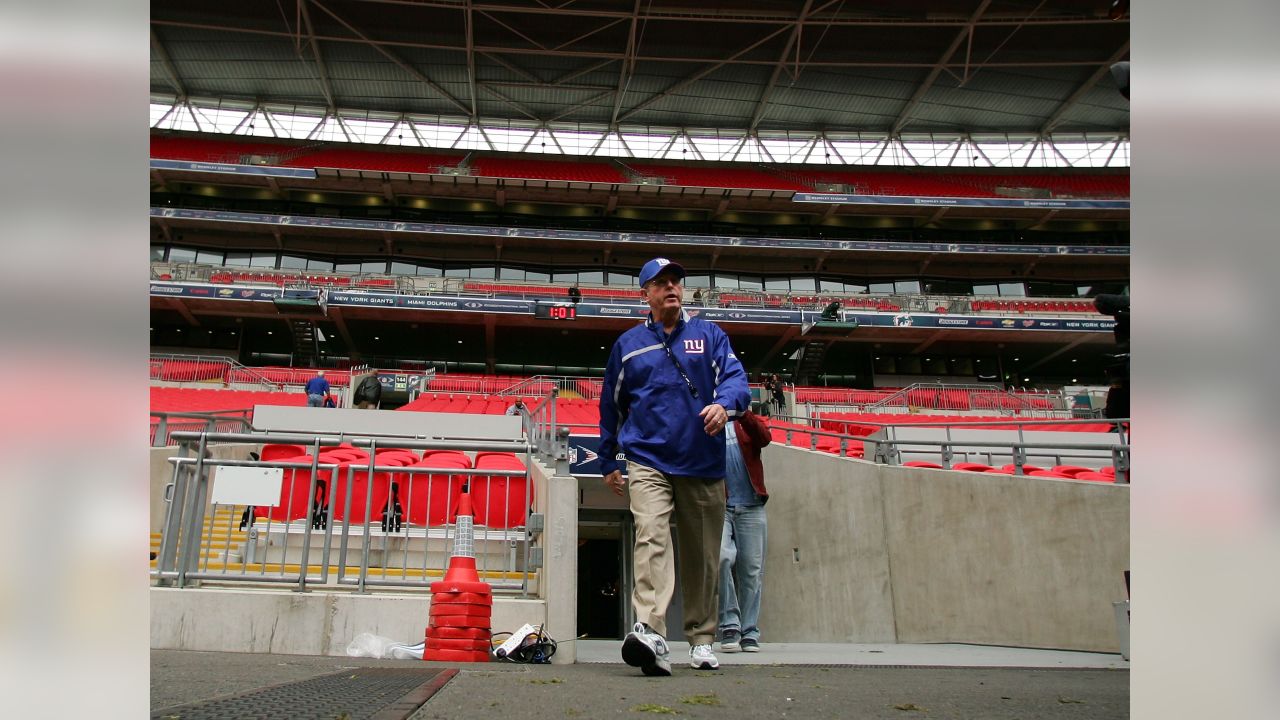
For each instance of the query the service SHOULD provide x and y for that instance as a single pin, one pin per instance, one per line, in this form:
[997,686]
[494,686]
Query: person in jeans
[745,529]
[671,385]
[316,390]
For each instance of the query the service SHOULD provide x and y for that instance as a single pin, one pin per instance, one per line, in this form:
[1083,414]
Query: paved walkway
[784,680]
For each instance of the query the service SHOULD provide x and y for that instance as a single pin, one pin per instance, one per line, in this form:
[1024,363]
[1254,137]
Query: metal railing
[961,397]
[587,387]
[888,450]
[165,424]
[167,367]
[385,546]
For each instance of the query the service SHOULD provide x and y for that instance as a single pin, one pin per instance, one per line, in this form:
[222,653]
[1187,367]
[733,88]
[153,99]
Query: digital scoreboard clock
[555,311]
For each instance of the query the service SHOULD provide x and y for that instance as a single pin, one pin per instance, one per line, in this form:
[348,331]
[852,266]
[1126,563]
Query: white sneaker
[647,650]
[701,658]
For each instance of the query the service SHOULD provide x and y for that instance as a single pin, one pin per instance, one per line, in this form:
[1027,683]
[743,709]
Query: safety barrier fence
[164,424]
[888,448]
[343,522]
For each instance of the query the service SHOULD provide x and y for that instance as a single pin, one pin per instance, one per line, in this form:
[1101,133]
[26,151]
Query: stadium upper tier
[916,182]
[712,297]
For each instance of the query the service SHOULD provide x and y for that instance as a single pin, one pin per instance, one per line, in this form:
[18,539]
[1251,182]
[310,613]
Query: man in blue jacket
[670,386]
[316,390]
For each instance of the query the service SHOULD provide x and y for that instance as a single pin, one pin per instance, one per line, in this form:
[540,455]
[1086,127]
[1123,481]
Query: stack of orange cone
[461,605]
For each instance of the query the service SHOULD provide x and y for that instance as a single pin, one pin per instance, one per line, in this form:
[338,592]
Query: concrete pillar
[559,582]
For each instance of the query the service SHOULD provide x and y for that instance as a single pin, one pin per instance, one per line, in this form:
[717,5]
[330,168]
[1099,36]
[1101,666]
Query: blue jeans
[315,400]
[742,569]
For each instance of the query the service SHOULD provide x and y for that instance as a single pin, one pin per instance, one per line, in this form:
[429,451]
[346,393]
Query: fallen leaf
[548,681]
[660,709]
[701,700]
[912,707]
[1070,701]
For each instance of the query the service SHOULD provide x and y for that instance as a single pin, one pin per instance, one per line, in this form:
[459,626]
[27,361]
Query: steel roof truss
[628,65]
[325,87]
[700,74]
[923,88]
[395,59]
[165,62]
[792,41]
[1084,88]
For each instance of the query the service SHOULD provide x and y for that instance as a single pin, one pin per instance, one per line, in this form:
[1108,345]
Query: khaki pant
[698,505]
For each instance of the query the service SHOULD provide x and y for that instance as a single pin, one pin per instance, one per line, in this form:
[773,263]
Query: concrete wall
[918,555]
[826,512]
[293,623]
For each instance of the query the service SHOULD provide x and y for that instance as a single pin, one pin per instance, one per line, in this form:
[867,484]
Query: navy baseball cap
[655,266]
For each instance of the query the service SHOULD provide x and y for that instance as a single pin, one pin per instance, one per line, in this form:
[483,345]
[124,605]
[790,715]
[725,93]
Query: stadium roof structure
[896,68]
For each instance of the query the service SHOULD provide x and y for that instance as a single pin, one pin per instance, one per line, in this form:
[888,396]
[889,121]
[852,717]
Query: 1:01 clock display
[555,311]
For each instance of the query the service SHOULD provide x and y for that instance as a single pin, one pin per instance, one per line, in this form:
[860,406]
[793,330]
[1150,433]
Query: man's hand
[615,482]
[714,416]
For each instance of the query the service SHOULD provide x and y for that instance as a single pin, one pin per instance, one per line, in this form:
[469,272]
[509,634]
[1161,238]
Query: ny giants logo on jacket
[694,347]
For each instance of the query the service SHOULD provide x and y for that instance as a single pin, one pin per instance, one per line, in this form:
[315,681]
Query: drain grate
[369,693]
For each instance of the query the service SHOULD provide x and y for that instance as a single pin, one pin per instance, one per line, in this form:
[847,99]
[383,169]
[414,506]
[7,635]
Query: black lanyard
[666,346]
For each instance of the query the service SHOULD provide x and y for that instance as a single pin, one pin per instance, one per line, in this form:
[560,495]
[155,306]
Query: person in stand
[369,393]
[516,408]
[745,529]
[779,400]
[697,296]
[671,385]
[766,396]
[575,295]
[317,388]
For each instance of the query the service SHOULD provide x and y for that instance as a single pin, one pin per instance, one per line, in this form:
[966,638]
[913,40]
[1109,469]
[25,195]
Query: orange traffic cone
[459,628]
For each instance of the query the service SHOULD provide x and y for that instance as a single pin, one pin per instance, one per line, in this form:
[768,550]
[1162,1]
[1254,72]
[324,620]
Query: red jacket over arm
[753,435]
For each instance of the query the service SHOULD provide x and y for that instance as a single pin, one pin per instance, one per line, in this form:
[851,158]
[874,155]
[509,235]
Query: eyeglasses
[665,281]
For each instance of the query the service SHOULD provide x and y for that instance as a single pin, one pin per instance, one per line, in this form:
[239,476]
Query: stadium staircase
[306,341]
[220,539]
[809,364]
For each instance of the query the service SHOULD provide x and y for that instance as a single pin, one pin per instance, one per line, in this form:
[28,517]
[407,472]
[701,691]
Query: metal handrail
[165,425]
[902,398]
[226,365]
[183,545]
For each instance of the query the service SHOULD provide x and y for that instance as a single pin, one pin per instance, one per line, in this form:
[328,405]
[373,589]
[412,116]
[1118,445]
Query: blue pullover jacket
[646,408]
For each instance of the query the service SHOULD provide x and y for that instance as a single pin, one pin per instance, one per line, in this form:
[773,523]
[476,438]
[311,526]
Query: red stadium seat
[278,452]
[499,501]
[362,501]
[922,464]
[1049,474]
[432,499]
[1025,468]
[971,466]
[1071,470]
[1095,477]
[387,453]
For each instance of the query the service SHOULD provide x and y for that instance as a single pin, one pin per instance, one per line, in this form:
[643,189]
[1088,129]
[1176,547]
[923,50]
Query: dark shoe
[647,650]
[750,645]
[731,642]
